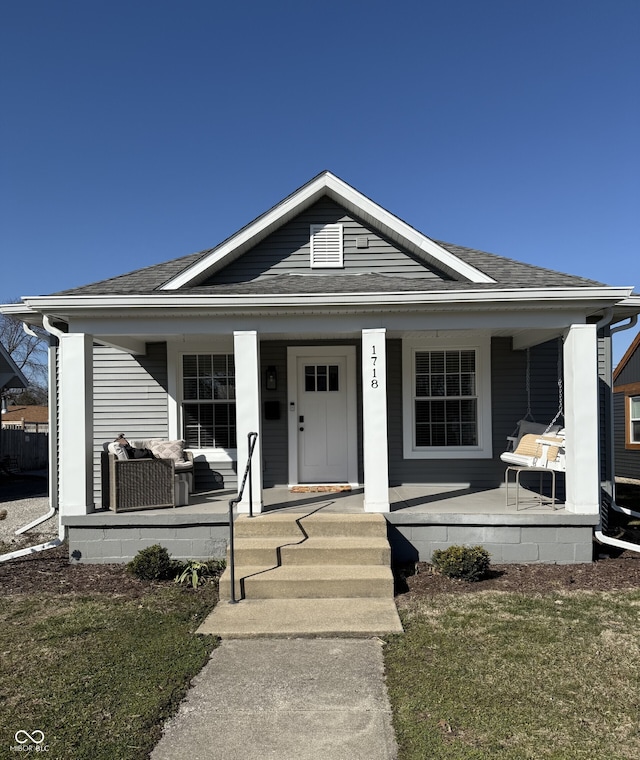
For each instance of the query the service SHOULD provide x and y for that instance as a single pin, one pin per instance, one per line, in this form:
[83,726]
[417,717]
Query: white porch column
[247,363]
[76,424]
[374,420]
[581,419]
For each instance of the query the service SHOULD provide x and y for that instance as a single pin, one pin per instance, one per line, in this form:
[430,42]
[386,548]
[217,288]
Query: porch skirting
[553,537]
[108,538]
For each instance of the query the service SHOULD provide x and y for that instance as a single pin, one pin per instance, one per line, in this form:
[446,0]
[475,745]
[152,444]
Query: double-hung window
[447,404]
[208,401]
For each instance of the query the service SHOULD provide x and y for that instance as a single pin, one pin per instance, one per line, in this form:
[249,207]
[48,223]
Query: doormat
[319,489]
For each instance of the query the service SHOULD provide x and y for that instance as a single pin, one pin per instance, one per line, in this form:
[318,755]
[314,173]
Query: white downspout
[599,536]
[52,432]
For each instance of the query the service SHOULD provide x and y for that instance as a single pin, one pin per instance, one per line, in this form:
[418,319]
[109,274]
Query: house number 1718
[374,360]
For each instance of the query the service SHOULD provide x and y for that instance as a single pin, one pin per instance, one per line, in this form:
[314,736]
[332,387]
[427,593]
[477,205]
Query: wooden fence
[29,450]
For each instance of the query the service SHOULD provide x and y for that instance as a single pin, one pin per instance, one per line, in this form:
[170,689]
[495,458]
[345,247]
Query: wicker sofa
[166,480]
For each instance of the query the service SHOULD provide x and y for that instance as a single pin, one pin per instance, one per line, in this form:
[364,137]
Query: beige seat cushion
[530,446]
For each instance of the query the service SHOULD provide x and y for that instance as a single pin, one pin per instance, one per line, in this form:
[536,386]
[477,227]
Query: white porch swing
[534,447]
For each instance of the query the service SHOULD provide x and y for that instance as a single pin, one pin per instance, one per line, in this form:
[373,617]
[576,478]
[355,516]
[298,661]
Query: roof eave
[591,298]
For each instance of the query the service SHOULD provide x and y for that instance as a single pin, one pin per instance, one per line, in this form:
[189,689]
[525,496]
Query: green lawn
[97,673]
[506,676]
[486,675]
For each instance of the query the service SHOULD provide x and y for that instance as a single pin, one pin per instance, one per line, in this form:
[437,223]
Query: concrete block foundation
[554,538]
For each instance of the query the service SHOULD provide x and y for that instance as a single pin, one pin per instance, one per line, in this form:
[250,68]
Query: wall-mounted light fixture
[271,378]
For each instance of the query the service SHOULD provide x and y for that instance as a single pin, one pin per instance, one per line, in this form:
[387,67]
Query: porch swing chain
[528,415]
[560,412]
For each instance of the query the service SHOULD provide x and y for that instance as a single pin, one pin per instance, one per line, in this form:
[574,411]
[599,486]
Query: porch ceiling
[522,338]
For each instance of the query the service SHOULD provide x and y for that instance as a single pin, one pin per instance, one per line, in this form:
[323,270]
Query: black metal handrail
[251,443]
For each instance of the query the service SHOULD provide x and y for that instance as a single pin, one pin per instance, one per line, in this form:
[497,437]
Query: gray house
[382,371]
[626,411]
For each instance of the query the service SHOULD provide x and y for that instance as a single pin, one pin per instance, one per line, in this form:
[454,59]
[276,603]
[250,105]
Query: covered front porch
[380,433]
[421,519]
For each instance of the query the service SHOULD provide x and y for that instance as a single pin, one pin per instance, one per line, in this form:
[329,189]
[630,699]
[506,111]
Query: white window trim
[175,397]
[629,422]
[323,263]
[482,347]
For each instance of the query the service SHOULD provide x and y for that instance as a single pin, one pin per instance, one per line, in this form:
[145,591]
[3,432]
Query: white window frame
[321,257]
[482,348]
[176,395]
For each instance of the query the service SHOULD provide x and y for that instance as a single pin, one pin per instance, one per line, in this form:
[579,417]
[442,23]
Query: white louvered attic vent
[326,246]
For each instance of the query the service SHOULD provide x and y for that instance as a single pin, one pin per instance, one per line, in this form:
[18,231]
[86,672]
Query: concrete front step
[310,581]
[252,618]
[268,525]
[338,550]
[323,550]
[301,525]
[327,524]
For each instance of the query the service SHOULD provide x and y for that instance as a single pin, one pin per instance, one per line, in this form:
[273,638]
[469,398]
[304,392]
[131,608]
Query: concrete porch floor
[405,499]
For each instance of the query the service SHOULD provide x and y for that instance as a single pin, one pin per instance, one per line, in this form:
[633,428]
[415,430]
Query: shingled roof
[507,273]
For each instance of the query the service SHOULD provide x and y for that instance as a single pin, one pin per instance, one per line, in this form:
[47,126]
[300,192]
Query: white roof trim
[188,301]
[325,184]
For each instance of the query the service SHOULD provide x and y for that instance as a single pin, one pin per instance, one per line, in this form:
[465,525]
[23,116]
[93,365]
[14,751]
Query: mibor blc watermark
[29,741]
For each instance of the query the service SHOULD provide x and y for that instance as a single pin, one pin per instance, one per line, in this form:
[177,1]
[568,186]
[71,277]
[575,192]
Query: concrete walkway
[285,699]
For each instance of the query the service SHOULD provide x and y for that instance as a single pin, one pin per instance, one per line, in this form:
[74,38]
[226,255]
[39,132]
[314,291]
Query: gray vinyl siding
[627,461]
[275,467]
[54,434]
[130,397]
[605,412]
[287,251]
[509,400]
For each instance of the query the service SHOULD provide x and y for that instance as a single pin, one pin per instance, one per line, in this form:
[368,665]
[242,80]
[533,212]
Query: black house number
[374,360]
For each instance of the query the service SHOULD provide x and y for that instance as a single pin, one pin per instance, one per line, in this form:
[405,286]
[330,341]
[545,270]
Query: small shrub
[152,564]
[469,563]
[193,572]
[196,573]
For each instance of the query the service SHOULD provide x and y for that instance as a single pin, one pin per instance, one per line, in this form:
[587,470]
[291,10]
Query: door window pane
[321,378]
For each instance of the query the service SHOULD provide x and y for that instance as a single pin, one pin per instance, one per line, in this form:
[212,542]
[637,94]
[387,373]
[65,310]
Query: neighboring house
[10,377]
[626,413]
[363,353]
[30,418]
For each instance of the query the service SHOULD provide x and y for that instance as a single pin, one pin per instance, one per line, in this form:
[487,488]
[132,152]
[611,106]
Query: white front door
[322,419]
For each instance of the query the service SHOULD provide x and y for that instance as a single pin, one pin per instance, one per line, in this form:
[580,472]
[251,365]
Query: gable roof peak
[326,183]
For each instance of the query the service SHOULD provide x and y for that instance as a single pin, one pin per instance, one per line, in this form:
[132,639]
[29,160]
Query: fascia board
[64,305]
[353,201]
[250,235]
[401,231]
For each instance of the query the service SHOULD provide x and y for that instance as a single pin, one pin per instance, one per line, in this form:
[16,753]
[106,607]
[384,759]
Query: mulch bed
[51,572]
[606,574]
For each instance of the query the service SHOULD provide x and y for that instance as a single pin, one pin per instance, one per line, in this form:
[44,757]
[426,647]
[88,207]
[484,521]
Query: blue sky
[136,132]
